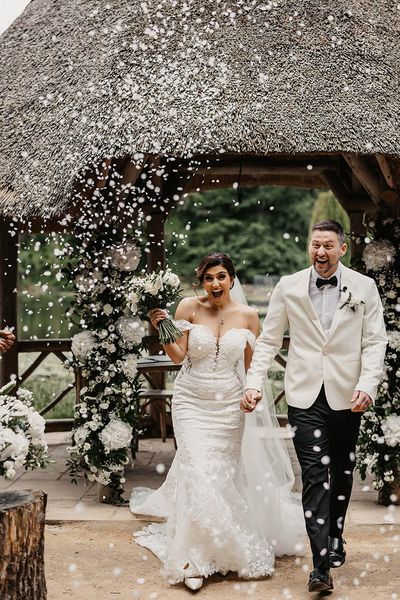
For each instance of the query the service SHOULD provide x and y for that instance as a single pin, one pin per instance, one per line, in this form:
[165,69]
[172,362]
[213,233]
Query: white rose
[171,279]
[129,366]
[10,473]
[115,435]
[107,309]
[130,329]
[80,434]
[82,344]
[153,286]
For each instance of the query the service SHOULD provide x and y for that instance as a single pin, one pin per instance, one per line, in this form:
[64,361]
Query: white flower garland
[106,351]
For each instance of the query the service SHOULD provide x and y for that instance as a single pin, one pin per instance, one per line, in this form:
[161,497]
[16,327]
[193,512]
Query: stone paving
[68,502]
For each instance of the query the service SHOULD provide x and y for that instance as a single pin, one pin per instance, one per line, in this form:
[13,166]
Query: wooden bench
[161,399]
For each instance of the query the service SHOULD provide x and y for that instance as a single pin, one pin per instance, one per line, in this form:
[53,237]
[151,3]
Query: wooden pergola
[364,185]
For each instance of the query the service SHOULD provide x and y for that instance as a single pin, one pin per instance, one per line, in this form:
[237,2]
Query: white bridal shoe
[194,583]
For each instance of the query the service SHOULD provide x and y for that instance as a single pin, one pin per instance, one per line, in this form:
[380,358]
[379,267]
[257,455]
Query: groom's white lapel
[345,286]
[304,298]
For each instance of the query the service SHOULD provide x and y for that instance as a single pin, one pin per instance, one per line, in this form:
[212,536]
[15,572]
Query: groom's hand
[250,399]
[361,401]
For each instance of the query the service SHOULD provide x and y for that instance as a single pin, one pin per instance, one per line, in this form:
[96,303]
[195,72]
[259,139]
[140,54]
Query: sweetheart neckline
[221,336]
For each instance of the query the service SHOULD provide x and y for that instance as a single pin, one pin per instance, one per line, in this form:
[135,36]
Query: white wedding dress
[220,514]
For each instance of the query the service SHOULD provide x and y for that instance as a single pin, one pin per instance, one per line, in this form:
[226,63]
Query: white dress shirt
[325,299]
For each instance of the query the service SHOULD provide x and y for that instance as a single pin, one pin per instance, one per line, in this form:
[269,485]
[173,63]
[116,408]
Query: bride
[227,497]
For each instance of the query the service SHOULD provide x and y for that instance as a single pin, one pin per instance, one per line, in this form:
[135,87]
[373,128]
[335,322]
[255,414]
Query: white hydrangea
[131,329]
[115,435]
[36,426]
[14,445]
[82,344]
[378,255]
[391,430]
[129,366]
[125,257]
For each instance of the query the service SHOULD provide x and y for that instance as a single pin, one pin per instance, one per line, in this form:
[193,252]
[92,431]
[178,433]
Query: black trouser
[325,442]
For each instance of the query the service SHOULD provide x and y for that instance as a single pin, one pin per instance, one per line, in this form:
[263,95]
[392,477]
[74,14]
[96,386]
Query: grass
[47,382]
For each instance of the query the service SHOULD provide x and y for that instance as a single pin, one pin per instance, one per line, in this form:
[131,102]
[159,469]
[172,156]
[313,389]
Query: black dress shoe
[337,553]
[320,581]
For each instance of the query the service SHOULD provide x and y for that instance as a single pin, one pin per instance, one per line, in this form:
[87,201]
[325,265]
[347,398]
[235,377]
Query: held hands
[156,315]
[7,339]
[250,400]
[361,401]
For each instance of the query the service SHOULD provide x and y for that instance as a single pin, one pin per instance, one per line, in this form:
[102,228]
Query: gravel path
[99,561]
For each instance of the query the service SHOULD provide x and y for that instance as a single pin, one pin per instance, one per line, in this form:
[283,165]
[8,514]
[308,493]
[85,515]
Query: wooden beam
[385,168]
[350,202]
[8,296]
[264,168]
[362,170]
[202,183]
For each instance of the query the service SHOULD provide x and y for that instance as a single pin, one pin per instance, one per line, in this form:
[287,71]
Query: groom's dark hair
[329,225]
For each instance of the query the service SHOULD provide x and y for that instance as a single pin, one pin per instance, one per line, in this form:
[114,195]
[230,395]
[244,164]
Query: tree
[327,207]
[264,230]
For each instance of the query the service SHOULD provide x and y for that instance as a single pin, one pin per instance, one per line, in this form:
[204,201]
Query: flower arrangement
[22,441]
[350,301]
[156,290]
[106,350]
[379,441]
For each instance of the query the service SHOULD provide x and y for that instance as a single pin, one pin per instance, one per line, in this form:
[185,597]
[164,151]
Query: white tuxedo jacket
[350,357]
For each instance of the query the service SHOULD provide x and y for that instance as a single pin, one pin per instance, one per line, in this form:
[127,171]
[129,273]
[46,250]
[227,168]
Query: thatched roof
[83,80]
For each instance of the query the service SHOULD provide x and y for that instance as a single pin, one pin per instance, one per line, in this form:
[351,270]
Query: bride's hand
[156,315]
[250,400]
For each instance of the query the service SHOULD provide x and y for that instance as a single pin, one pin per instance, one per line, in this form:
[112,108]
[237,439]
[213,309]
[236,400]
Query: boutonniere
[350,300]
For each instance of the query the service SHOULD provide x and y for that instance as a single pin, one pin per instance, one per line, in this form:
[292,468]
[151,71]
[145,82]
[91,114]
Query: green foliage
[328,207]
[379,448]
[264,231]
[39,260]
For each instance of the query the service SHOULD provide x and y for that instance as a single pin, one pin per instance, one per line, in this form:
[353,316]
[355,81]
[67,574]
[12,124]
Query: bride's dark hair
[212,260]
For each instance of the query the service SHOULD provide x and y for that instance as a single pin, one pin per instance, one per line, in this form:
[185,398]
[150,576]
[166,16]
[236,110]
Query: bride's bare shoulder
[247,310]
[186,307]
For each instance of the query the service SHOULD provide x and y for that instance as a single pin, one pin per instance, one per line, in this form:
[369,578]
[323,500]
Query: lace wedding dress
[217,517]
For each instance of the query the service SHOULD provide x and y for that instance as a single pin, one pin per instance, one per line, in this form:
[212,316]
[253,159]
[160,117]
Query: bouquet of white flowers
[22,442]
[156,290]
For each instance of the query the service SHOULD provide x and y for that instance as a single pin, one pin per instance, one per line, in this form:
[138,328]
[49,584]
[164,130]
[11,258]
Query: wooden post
[358,231]
[22,516]
[8,296]
[155,235]
[156,260]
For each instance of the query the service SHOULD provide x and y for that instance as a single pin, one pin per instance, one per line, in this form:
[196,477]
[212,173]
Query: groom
[337,346]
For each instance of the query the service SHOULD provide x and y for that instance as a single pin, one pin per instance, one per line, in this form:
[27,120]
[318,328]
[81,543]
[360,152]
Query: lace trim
[182,324]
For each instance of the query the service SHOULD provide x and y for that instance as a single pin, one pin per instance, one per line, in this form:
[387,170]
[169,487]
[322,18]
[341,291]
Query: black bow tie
[321,282]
